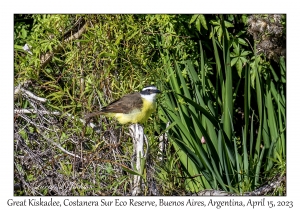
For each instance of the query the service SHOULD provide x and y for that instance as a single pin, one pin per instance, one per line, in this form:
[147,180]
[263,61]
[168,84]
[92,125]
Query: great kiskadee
[131,108]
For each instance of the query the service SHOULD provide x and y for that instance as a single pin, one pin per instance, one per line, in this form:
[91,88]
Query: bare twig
[33,111]
[264,190]
[18,90]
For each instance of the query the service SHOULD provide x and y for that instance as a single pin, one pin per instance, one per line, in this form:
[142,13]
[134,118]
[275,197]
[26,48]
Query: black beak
[156,91]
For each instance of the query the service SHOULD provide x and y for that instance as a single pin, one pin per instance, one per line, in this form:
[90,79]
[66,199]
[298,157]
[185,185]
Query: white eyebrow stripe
[150,88]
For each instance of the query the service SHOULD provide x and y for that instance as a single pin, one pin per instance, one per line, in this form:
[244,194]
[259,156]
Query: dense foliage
[222,112]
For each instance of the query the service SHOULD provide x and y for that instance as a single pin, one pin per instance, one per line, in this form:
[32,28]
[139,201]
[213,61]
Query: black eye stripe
[147,92]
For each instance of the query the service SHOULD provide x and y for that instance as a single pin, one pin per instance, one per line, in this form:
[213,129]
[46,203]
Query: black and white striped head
[149,93]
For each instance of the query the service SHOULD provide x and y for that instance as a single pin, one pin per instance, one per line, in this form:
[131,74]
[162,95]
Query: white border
[8,8]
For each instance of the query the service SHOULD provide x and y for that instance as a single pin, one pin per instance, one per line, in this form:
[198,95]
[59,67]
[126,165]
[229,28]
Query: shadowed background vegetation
[220,122]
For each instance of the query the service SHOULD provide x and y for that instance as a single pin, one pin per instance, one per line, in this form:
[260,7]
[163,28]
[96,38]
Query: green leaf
[245,53]
[117,42]
[239,67]
[24,33]
[194,17]
[19,48]
[228,24]
[216,23]
[243,59]
[202,110]
[233,61]
[245,19]
[203,21]
[105,54]
[242,41]
[235,43]
[198,25]
[232,54]
[236,50]
[219,33]
[133,35]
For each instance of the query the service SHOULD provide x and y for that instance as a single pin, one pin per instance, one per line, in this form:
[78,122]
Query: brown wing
[124,104]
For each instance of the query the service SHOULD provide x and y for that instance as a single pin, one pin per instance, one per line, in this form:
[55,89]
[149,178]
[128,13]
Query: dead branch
[261,191]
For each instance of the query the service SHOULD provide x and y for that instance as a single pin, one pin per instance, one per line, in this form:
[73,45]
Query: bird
[131,108]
